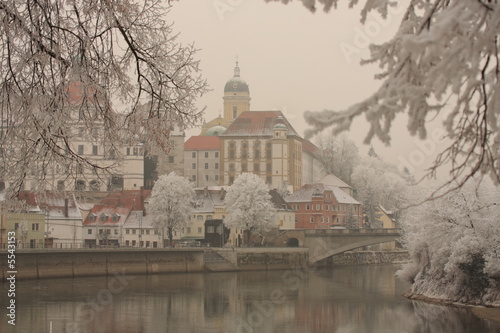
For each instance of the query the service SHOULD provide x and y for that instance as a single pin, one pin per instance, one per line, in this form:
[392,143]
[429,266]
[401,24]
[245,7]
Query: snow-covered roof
[136,220]
[333,180]
[306,192]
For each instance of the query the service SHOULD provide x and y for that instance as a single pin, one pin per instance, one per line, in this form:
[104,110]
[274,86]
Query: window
[193,154]
[116,217]
[256,167]
[199,217]
[136,151]
[231,180]
[188,230]
[327,219]
[307,207]
[216,166]
[94,150]
[318,207]
[127,231]
[269,167]
[322,219]
[134,243]
[92,217]
[89,231]
[231,167]
[235,109]
[116,231]
[206,177]
[170,159]
[200,230]
[206,165]
[216,177]
[193,178]
[311,219]
[100,231]
[193,166]
[103,217]
[244,168]
[134,231]
[217,154]
[327,207]
[296,219]
[60,185]
[269,180]
[210,229]
[206,154]
[209,217]
[147,232]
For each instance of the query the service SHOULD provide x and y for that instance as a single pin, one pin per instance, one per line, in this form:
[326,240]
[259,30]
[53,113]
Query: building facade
[319,206]
[263,143]
[202,160]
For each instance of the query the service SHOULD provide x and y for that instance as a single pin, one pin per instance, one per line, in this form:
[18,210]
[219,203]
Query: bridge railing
[333,232]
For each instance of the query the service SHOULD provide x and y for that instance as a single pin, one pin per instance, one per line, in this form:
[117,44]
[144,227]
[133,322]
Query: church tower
[236,96]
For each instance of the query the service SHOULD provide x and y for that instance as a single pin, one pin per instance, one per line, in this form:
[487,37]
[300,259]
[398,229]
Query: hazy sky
[293,60]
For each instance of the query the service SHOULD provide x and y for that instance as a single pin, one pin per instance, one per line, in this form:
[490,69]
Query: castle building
[264,143]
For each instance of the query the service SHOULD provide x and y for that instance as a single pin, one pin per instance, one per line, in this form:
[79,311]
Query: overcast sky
[293,61]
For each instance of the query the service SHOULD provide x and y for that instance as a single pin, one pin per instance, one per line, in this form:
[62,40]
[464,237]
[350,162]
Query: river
[343,299]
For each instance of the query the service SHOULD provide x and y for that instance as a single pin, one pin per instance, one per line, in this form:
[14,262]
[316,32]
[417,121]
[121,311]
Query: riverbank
[479,311]
[369,257]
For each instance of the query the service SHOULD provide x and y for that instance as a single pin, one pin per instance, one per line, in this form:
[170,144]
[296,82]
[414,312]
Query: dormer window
[103,217]
[116,217]
[92,217]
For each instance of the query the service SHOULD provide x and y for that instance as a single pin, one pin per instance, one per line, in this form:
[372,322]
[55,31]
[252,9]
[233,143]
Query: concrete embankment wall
[254,259]
[369,257]
[44,264]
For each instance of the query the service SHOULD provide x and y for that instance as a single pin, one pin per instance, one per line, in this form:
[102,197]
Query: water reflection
[343,300]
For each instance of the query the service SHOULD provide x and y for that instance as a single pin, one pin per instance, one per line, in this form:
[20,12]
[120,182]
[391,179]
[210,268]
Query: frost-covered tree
[171,203]
[338,156]
[379,183]
[443,63]
[351,221]
[454,243]
[112,63]
[249,204]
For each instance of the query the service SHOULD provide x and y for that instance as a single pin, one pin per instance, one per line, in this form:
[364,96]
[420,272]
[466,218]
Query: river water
[344,299]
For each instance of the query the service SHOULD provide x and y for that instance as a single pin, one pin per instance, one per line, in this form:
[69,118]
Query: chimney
[66,207]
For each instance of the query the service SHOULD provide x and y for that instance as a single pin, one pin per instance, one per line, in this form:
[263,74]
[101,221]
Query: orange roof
[257,123]
[202,143]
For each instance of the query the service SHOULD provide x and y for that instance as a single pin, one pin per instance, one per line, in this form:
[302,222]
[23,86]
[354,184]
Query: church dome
[280,127]
[215,130]
[236,83]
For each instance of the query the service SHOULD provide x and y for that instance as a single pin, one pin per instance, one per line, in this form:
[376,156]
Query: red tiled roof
[202,143]
[257,123]
[121,203]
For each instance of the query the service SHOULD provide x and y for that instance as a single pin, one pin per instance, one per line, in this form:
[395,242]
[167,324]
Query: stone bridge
[324,243]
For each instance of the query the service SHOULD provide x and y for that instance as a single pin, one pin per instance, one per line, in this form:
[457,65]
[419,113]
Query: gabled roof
[121,203]
[55,204]
[206,198]
[257,123]
[305,194]
[202,143]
